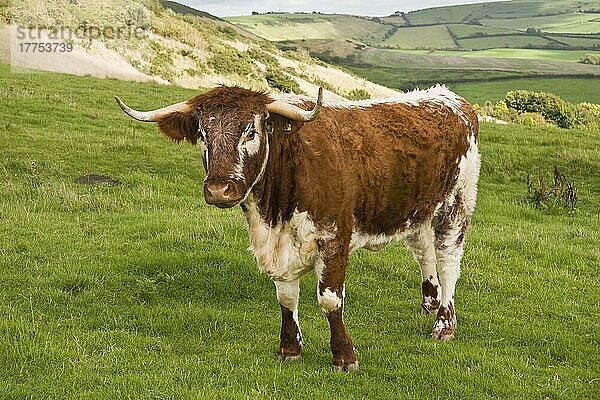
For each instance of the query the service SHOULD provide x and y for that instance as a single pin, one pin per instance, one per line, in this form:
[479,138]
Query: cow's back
[387,164]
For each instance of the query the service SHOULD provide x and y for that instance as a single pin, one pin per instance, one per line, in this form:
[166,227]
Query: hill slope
[467,43]
[185,47]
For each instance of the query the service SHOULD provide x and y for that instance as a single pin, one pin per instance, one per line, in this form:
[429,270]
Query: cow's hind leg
[450,226]
[290,345]
[422,246]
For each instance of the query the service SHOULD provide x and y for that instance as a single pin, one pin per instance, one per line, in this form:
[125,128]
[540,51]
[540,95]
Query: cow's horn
[296,113]
[154,115]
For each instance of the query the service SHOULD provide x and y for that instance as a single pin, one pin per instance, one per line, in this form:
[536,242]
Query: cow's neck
[275,194]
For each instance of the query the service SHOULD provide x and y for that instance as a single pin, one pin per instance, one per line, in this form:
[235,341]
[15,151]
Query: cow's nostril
[220,193]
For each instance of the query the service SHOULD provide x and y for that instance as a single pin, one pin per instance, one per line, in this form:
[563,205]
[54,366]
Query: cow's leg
[450,229]
[331,271]
[422,246]
[290,345]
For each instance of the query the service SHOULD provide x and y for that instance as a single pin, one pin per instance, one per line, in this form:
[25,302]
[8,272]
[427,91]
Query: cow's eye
[250,136]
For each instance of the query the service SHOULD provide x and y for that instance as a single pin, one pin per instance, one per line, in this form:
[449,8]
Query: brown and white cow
[315,185]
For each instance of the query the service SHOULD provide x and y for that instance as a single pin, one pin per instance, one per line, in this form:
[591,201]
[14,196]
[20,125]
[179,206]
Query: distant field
[575,90]
[465,30]
[581,41]
[578,23]
[514,9]
[282,27]
[493,42]
[532,54]
[433,37]
[440,15]
[405,59]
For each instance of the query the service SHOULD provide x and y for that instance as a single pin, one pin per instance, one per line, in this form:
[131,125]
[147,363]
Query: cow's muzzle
[223,194]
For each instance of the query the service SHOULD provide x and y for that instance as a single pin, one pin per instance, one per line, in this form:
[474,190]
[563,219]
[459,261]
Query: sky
[226,8]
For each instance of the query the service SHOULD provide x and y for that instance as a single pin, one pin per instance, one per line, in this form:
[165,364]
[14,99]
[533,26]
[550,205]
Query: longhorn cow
[316,184]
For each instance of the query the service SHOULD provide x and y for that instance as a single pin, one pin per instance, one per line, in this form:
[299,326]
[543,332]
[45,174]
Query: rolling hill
[166,42]
[454,44]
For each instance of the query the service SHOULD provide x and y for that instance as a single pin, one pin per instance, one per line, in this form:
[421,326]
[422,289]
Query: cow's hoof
[285,358]
[445,335]
[346,367]
[445,323]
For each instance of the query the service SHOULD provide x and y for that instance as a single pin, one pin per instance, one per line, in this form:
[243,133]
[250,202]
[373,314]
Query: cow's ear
[178,126]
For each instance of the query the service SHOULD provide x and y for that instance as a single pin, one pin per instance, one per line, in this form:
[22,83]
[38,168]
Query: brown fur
[371,170]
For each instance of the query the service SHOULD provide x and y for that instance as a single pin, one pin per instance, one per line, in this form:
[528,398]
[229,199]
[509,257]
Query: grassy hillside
[492,41]
[303,26]
[514,9]
[140,290]
[185,47]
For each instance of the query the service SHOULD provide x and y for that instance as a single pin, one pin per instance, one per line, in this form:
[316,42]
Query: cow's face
[235,150]
[233,127]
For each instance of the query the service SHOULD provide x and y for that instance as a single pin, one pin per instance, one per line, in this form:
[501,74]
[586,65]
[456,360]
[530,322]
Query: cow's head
[233,127]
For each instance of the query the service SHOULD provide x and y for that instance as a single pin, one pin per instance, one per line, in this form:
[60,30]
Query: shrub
[279,80]
[359,94]
[561,194]
[551,106]
[161,63]
[227,60]
[593,59]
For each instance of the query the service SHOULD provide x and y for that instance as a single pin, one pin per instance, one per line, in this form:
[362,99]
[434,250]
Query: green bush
[161,63]
[552,107]
[592,59]
[227,60]
[279,80]
[358,94]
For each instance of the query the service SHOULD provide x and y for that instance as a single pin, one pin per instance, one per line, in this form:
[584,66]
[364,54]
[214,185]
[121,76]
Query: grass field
[281,27]
[493,42]
[527,54]
[140,290]
[563,23]
[575,90]
[515,9]
[421,37]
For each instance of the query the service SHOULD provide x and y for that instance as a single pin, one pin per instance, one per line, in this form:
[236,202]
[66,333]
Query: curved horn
[296,113]
[154,115]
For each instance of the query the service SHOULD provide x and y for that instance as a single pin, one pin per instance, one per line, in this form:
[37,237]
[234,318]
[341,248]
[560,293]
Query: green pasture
[492,42]
[528,54]
[575,90]
[281,27]
[515,10]
[431,60]
[141,290]
[466,30]
[563,23]
[428,37]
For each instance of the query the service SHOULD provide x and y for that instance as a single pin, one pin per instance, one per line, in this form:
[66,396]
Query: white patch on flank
[285,251]
[361,240]
[436,95]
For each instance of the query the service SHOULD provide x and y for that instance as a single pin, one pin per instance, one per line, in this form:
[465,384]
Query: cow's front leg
[290,344]
[331,272]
